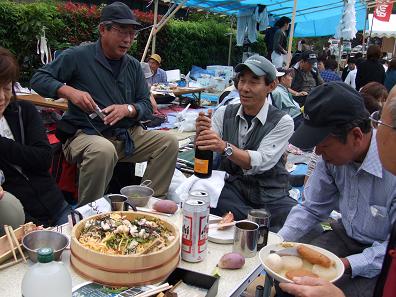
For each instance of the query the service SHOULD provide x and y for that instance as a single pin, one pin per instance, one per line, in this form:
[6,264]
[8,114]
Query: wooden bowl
[124,270]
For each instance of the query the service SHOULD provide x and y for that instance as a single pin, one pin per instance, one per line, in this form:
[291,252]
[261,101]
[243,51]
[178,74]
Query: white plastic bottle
[47,278]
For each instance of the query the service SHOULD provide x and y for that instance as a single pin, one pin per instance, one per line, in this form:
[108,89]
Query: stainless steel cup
[120,202]
[261,217]
[245,238]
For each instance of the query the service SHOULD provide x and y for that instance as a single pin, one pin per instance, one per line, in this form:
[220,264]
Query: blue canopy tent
[313,18]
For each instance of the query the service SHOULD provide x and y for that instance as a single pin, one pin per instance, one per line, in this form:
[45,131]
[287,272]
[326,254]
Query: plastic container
[47,278]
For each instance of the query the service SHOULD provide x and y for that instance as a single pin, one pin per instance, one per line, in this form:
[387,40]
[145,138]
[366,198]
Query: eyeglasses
[125,33]
[375,120]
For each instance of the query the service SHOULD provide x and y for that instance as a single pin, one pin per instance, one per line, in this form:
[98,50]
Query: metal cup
[245,238]
[261,217]
[120,202]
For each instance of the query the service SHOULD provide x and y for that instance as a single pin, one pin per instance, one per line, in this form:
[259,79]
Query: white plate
[265,251]
[226,236]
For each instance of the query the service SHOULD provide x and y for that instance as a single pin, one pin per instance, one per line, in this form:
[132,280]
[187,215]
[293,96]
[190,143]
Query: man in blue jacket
[102,78]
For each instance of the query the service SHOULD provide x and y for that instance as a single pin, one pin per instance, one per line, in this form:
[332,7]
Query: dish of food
[287,260]
[114,234]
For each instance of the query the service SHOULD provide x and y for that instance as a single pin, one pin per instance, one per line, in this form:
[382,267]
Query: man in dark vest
[306,77]
[251,138]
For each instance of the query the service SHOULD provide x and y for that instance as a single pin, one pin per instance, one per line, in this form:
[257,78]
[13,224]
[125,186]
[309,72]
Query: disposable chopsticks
[17,242]
[9,238]
[155,290]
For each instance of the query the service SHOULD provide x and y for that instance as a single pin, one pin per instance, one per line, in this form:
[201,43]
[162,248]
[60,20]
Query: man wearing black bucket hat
[251,138]
[102,79]
[349,178]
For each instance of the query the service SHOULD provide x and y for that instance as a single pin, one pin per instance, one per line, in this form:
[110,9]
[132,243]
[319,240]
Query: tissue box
[196,279]
[226,72]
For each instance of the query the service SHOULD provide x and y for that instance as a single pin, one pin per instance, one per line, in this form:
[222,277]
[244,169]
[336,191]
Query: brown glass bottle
[203,163]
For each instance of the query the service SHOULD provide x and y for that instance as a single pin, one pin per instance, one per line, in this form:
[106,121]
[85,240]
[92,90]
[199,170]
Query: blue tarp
[313,17]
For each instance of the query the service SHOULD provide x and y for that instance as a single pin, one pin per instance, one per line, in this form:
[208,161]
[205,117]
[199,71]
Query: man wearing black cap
[107,97]
[349,177]
[251,138]
[305,76]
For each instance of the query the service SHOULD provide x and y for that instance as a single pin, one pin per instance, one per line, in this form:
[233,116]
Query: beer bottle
[203,161]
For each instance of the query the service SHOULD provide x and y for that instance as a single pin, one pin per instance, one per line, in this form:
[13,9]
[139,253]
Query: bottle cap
[45,255]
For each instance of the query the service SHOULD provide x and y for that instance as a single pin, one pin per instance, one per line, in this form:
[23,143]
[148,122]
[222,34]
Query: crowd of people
[350,128]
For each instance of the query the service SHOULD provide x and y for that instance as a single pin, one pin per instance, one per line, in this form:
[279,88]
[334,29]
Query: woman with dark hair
[390,76]
[25,153]
[278,55]
[370,69]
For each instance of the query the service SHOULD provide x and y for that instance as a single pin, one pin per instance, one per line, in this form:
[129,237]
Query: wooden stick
[150,246]
[148,210]
[9,264]
[156,290]
[176,285]
[17,243]
[7,231]
[289,48]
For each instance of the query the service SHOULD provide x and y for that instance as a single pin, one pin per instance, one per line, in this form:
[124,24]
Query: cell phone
[97,112]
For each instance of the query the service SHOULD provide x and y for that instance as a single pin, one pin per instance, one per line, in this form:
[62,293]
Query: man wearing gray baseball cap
[251,138]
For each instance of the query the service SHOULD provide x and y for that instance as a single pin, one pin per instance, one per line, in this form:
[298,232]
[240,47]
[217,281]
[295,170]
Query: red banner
[383,10]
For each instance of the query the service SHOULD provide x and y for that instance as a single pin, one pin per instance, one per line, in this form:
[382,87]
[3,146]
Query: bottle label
[201,166]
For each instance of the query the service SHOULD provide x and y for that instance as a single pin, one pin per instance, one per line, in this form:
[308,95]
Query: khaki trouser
[97,157]
[11,212]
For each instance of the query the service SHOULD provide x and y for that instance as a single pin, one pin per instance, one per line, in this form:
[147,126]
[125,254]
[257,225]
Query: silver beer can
[199,195]
[195,230]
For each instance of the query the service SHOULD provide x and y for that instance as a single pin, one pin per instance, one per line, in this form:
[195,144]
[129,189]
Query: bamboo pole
[289,48]
[156,29]
[364,30]
[230,42]
[163,22]
[154,25]
[147,44]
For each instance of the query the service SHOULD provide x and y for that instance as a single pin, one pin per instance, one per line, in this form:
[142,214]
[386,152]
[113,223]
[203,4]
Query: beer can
[195,230]
[199,195]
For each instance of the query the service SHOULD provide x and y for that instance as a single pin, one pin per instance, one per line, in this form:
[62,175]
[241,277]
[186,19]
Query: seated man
[159,75]
[103,75]
[305,76]
[350,178]
[252,137]
[283,99]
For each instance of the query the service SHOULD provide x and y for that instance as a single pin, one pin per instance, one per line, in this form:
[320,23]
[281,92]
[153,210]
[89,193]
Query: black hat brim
[306,137]
[127,22]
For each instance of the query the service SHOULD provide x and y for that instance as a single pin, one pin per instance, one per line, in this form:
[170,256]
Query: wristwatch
[130,108]
[228,150]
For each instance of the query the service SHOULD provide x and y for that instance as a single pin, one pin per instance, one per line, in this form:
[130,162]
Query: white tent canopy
[382,29]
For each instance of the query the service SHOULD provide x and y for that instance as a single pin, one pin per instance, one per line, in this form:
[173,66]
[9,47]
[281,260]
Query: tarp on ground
[383,29]
[313,17]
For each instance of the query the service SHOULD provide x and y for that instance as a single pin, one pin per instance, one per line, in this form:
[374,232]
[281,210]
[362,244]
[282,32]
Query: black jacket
[26,162]
[368,71]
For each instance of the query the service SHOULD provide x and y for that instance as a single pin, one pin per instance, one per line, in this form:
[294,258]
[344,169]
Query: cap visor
[253,68]
[306,137]
[312,61]
[127,22]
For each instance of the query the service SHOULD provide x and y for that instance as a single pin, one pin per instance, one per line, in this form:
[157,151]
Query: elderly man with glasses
[386,286]
[103,79]
[349,177]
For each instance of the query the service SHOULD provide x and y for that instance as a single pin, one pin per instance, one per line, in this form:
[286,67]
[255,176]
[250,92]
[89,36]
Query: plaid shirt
[329,75]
